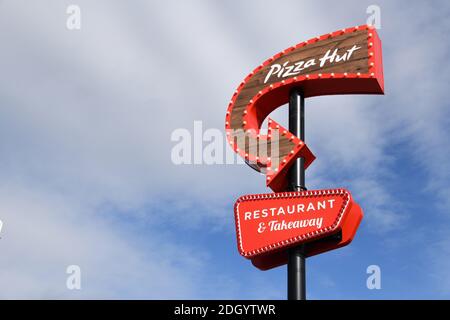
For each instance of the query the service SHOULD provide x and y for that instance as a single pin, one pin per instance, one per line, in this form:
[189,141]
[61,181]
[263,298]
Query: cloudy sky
[86,176]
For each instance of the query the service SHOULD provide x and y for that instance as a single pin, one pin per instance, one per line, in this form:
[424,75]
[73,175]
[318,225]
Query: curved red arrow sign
[347,61]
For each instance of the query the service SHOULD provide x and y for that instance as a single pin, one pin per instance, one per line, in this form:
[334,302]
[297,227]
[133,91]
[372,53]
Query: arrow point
[290,148]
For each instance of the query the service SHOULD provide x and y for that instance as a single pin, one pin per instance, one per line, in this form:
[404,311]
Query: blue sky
[86,176]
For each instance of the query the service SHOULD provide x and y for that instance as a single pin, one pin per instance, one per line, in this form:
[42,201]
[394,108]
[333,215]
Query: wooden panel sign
[268,224]
[347,61]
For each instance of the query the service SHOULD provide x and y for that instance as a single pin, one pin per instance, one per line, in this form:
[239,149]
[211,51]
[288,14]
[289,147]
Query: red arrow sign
[347,61]
[268,224]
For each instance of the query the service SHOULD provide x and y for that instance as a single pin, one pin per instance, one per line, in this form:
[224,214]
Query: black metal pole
[296,260]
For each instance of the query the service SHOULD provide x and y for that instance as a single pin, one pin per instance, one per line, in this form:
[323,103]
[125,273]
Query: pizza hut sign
[346,61]
[289,69]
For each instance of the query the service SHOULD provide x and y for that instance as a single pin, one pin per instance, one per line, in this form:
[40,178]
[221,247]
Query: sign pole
[296,260]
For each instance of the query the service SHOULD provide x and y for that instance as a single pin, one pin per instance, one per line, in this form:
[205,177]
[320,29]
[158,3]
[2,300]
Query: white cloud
[43,234]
